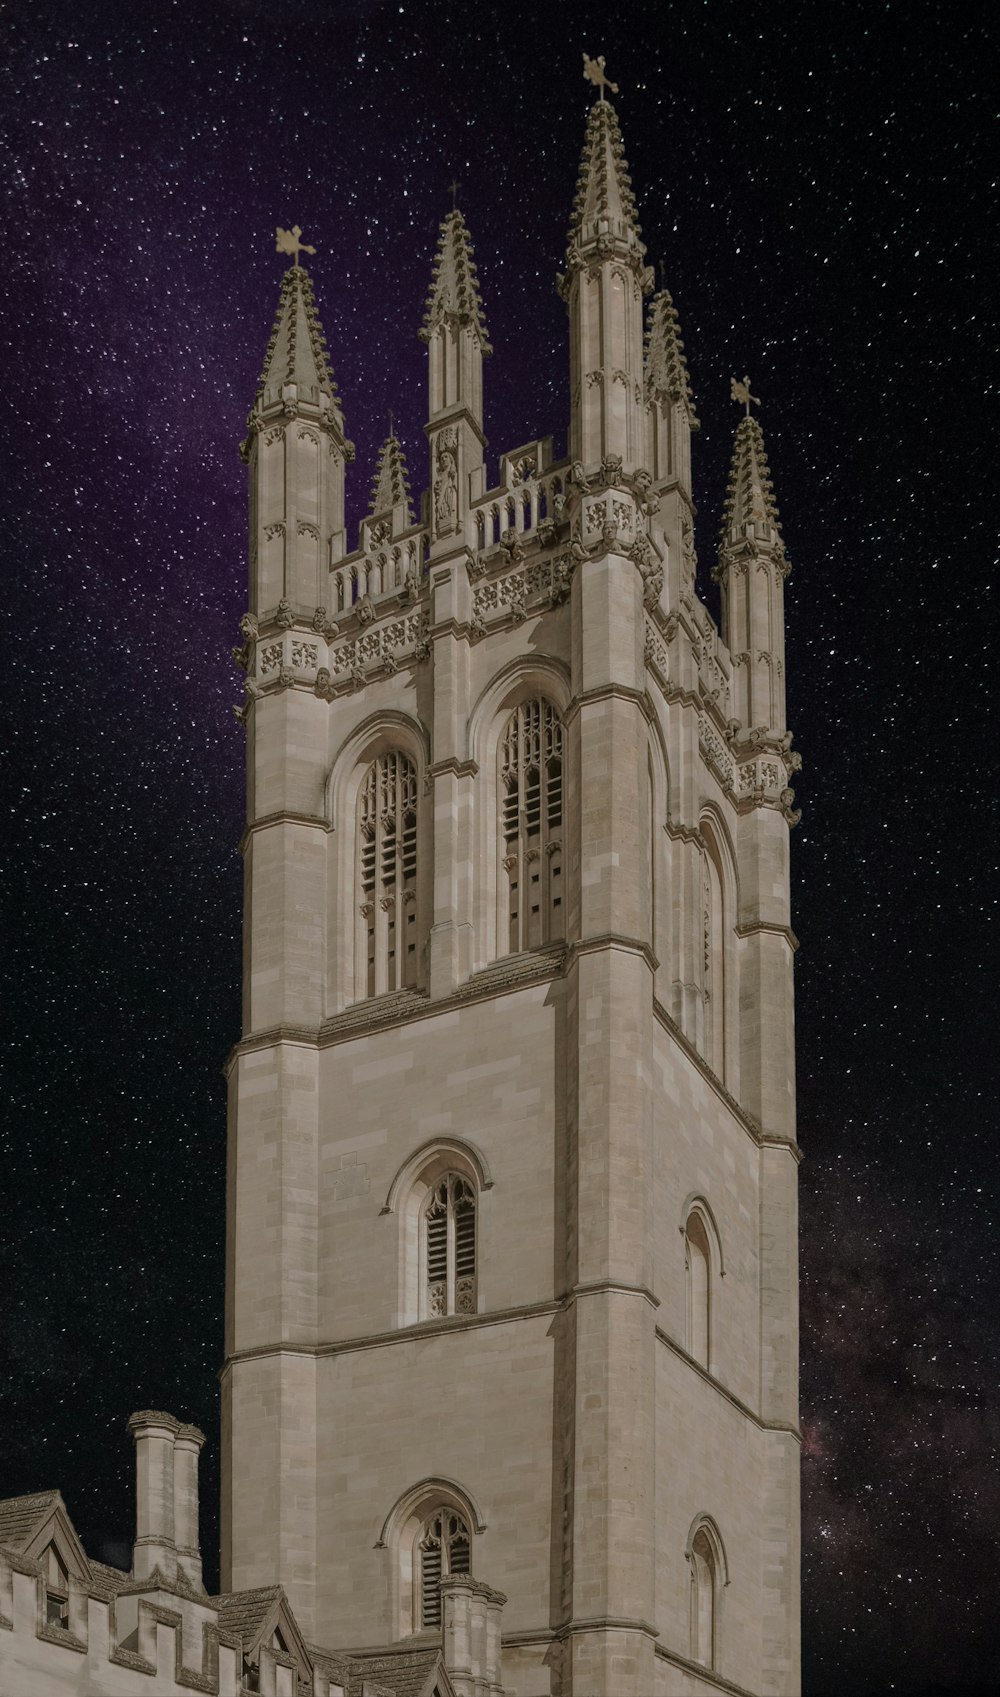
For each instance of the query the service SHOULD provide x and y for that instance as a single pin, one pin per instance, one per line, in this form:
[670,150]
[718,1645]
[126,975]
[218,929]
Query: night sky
[816,180]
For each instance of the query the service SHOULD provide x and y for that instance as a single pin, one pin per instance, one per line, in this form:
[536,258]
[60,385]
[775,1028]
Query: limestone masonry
[511,1307]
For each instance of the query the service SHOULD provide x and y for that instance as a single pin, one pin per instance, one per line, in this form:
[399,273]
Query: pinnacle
[750,498]
[391,483]
[296,352]
[604,201]
[454,292]
[665,366]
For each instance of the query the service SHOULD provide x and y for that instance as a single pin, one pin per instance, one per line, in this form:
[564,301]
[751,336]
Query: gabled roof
[454,292]
[255,1614]
[20,1517]
[408,1673]
[296,352]
[666,371]
[391,483]
[604,203]
[29,1524]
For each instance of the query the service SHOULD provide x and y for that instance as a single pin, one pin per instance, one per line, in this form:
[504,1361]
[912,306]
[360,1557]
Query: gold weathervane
[593,71]
[289,242]
[741,392]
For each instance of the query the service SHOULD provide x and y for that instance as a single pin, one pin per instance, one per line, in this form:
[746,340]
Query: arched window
[531,827]
[708,1577]
[450,1247]
[387,876]
[714,978]
[698,1266]
[444,1547]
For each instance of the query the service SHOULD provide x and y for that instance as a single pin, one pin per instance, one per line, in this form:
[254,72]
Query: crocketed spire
[750,513]
[296,352]
[666,372]
[605,205]
[454,292]
[391,483]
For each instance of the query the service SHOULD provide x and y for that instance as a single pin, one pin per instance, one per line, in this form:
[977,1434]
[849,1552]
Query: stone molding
[723,1390]
[710,1678]
[401,1334]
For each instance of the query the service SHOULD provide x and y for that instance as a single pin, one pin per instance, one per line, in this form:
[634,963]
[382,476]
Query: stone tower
[511,1250]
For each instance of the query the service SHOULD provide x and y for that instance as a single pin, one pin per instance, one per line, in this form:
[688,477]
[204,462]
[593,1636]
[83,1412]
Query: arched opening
[387,877]
[530,810]
[698,1265]
[448,1247]
[443,1547]
[709,1576]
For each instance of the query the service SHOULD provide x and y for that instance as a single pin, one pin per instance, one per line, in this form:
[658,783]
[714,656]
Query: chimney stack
[187,1447]
[155,1544]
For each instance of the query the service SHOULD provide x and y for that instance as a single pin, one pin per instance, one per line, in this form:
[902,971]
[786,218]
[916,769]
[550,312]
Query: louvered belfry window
[450,1226]
[445,1547]
[531,826]
[387,838]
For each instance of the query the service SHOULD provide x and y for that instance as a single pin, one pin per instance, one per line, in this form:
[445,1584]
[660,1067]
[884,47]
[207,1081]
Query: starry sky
[816,181]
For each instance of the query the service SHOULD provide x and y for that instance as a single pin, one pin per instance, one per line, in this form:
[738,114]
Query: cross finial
[741,392]
[289,242]
[454,187]
[661,266]
[392,426]
[593,71]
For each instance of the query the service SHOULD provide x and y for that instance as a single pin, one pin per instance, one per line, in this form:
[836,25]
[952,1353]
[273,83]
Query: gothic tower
[511,1283]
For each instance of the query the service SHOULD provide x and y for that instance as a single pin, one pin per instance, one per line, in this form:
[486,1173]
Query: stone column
[187,1447]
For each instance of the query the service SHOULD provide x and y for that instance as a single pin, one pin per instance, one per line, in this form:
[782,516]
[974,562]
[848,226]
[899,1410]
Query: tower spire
[604,207]
[297,481]
[454,295]
[454,330]
[391,483]
[297,351]
[606,277]
[751,573]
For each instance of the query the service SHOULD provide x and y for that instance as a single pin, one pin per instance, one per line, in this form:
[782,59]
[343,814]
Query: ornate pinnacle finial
[666,372]
[593,71]
[453,188]
[741,392]
[288,242]
[391,483]
[454,292]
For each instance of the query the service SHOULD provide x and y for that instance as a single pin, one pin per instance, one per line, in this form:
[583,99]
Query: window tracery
[444,1547]
[450,1246]
[531,826]
[387,876]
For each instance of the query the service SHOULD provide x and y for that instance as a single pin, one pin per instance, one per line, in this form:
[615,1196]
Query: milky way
[815,180]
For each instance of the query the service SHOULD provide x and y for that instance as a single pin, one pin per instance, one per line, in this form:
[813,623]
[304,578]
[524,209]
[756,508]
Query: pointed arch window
[387,876]
[698,1266]
[713,965]
[531,827]
[709,1577]
[450,1247]
[444,1547]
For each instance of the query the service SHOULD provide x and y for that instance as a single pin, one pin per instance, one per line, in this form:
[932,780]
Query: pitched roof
[247,1612]
[20,1517]
[296,352]
[391,483]
[666,369]
[108,1581]
[604,203]
[454,291]
[408,1673]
